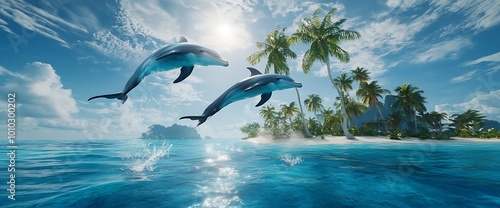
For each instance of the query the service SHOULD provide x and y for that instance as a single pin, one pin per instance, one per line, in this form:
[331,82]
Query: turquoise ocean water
[236,173]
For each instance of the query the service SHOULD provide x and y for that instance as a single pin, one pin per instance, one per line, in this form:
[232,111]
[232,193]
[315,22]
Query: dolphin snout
[225,63]
[299,85]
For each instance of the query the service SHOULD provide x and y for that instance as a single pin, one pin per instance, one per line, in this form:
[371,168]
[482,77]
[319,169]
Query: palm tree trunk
[344,123]
[415,122]
[381,116]
[306,131]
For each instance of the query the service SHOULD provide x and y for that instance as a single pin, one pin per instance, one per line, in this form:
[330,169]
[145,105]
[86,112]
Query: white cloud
[485,103]
[477,15]
[42,97]
[491,58]
[142,28]
[443,50]
[37,19]
[109,44]
[183,93]
[14,74]
[464,77]
[148,18]
[282,7]
[402,4]
[379,39]
[3,26]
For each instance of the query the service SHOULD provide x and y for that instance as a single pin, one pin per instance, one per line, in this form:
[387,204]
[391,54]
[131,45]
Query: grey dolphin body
[256,84]
[181,54]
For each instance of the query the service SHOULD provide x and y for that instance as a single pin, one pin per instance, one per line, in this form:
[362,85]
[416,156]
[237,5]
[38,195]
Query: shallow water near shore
[233,173]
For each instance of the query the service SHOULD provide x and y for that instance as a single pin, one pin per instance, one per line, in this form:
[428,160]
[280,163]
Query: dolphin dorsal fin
[182,39]
[253,71]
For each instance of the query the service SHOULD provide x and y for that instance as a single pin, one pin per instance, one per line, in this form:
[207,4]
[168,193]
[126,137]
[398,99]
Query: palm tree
[361,75]
[353,108]
[315,126]
[434,120]
[313,104]
[370,93]
[289,111]
[277,49]
[395,119]
[410,99]
[269,114]
[331,121]
[470,119]
[324,36]
[344,82]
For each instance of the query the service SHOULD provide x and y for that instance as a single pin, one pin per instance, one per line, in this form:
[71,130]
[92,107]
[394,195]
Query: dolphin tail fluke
[201,119]
[118,96]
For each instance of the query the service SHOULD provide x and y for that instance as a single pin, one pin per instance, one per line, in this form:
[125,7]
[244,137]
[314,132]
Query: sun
[225,30]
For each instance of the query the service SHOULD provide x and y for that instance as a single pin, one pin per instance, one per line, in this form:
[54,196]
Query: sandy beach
[297,140]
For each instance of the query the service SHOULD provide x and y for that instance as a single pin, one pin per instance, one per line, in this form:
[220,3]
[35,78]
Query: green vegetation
[323,37]
[251,129]
[409,116]
[277,49]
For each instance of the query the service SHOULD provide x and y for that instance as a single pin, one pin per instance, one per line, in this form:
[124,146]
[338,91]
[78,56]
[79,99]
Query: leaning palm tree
[289,111]
[434,120]
[277,49]
[410,99]
[324,36]
[370,94]
[353,108]
[313,104]
[467,120]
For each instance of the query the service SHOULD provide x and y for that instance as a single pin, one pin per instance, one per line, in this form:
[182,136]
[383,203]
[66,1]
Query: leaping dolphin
[181,54]
[256,84]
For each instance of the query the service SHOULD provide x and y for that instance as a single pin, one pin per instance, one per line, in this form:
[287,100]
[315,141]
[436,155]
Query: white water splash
[290,161]
[147,158]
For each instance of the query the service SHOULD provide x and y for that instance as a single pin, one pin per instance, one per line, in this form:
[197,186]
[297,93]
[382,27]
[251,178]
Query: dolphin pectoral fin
[201,119]
[167,54]
[185,72]
[253,71]
[264,98]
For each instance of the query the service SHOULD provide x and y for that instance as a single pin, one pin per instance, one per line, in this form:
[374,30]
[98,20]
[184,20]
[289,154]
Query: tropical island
[403,114]
[175,131]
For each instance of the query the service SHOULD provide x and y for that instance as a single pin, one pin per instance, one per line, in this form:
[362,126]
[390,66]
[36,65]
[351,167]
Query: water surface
[235,173]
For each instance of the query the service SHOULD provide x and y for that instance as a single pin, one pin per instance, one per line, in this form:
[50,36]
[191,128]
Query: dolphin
[181,54]
[256,84]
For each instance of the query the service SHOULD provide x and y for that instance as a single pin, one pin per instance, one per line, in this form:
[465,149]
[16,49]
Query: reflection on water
[219,188]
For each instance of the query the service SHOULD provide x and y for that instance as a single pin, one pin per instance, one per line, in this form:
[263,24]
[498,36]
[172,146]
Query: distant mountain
[372,114]
[172,132]
[488,124]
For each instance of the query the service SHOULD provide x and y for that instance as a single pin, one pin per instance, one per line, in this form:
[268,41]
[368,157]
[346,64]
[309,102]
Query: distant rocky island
[175,131]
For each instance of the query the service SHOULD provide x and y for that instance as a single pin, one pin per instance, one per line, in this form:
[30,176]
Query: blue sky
[57,54]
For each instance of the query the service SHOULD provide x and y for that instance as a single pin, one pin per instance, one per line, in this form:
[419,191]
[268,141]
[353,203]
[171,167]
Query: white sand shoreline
[295,140]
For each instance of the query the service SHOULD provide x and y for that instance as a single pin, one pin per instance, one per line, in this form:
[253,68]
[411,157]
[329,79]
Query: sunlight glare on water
[219,189]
